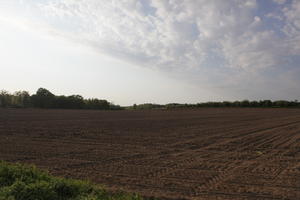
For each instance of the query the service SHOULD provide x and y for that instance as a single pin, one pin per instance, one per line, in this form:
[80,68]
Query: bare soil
[209,153]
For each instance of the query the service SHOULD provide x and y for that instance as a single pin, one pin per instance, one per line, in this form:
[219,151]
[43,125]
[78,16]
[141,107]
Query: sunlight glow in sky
[160,51]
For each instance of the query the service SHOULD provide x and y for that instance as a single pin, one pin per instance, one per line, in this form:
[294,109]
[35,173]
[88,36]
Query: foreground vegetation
[18,182]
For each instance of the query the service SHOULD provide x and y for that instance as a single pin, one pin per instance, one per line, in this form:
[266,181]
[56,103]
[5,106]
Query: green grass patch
[19,182]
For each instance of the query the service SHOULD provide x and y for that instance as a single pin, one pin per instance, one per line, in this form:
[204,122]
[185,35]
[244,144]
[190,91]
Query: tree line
[43,98]
[244,103]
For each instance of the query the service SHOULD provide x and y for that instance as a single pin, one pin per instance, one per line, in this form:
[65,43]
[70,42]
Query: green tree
[5,99]
[43,99]
[21,99]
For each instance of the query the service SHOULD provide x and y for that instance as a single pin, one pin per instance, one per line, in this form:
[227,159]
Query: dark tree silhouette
[45,99]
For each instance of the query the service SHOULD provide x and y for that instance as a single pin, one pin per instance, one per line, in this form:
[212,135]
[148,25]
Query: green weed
[19,182]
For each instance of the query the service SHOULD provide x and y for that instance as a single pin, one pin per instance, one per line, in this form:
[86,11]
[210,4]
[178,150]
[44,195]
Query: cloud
[279,1]
[174,33]
[229,40]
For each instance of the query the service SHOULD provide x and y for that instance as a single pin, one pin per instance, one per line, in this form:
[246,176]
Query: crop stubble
[209,153]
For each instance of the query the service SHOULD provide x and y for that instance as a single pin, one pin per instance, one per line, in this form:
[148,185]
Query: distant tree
[98,104]
[115,107]
[245,103]
[254,104]
[43,99]
[236,104]
[21,99]
[75,101]
[226,103]
[5,99]
[266,103]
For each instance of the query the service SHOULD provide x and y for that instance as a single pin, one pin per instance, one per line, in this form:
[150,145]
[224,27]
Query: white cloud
[171,34]
[279,1]
[292,25]
[200,37]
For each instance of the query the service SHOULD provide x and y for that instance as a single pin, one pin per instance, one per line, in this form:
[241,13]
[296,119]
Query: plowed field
[211,153]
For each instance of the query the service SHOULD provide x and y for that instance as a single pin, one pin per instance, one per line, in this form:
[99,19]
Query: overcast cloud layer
[245,48]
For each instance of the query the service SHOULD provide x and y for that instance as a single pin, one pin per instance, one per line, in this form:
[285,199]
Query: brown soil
[216,153]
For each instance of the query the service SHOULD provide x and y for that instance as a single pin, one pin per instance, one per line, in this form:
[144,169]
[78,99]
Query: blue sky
[161,51]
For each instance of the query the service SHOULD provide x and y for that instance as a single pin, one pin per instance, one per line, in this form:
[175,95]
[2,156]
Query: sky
[158,51]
